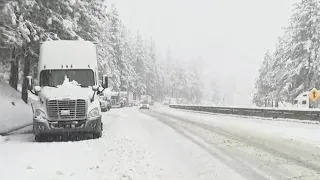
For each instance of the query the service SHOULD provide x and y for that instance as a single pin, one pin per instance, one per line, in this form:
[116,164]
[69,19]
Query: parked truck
[68,89]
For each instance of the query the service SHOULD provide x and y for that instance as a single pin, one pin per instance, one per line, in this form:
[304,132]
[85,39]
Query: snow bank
[14,113]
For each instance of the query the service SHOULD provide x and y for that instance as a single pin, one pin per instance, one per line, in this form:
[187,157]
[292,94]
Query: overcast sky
[231,36]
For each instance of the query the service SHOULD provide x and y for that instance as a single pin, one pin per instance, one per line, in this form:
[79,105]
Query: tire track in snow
[263,145]
[273,169]
[240,167]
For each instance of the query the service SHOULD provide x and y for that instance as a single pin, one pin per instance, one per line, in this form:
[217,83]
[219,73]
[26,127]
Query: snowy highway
[170,144]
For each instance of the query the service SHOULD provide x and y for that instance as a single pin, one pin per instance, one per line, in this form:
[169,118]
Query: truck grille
[66,109]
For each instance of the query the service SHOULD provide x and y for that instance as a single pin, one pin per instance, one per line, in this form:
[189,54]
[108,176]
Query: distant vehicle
[67,75]
[173,101]
[144,104]
[103,104]
[135,103]
[152,103]
[109,104]
[122,103]
[146,97]
[166,101]
[303,101]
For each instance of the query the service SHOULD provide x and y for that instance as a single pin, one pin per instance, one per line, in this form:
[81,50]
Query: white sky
[231,36]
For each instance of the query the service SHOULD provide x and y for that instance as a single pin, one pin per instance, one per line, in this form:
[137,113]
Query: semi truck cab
[68,88]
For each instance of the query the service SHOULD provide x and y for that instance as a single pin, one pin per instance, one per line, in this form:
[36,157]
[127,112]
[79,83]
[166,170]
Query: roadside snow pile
[14,112]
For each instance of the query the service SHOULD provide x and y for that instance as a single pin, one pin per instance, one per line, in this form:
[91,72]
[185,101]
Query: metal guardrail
[313,115]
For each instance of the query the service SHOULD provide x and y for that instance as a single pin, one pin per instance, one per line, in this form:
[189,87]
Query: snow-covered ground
[254,148]
[266,127]
[169,144]
[13,111]
[133,146]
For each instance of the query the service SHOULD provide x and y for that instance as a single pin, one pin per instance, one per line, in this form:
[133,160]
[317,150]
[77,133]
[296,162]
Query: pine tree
[304,28]
[140,65]
[296,57]
[263,84]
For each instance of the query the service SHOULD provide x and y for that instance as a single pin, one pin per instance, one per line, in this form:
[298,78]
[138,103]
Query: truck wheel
[38,138]
[97,135]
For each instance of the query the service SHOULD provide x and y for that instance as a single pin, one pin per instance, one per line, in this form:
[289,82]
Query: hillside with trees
[293,67]
[129,59]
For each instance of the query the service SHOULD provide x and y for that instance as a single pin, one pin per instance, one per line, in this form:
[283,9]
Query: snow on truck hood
[69,90]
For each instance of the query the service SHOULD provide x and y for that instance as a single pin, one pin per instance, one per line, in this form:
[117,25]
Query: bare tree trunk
[14,71]
[26,71]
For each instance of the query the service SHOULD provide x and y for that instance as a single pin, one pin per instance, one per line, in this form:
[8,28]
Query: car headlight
[93,113]
[39,114]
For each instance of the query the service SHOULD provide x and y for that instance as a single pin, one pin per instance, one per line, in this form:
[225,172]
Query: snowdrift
[14,113]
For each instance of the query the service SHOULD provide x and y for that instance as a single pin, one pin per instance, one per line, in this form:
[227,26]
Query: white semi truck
[68,88]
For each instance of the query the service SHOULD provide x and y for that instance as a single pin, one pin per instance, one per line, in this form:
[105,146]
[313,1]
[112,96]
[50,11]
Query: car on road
[144,104]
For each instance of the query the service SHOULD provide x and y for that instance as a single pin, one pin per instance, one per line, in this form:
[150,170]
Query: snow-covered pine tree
[304,30]
[139,65]
[125,68]
[296,58]
[114,48]
[151,68]
[262,85]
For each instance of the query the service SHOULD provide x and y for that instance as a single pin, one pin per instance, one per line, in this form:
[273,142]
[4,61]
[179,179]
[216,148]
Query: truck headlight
[39,114]
[93,113]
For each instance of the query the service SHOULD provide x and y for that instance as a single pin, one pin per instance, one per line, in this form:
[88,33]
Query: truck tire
[39,138]
[97,135]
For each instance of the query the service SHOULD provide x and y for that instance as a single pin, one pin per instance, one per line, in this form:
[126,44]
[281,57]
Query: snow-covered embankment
[14,113]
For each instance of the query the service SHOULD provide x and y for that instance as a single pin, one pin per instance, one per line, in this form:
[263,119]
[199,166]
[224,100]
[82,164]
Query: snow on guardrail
[300,114]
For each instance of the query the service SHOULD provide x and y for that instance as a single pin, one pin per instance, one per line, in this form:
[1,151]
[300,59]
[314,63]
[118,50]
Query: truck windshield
[53,78]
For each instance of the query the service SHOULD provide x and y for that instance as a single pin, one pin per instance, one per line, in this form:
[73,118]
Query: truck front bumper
[92,125]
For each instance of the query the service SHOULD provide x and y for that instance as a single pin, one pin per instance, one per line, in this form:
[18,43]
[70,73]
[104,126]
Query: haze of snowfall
[130,61]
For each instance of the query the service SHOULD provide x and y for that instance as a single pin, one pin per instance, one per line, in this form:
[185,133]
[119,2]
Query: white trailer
[302,101]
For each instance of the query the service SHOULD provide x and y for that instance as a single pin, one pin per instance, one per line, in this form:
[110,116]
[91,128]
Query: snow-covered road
[163,143]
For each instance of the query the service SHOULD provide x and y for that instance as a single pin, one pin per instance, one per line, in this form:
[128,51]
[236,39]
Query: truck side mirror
[37,89]
[29,82]
[95,88]
[105,81]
